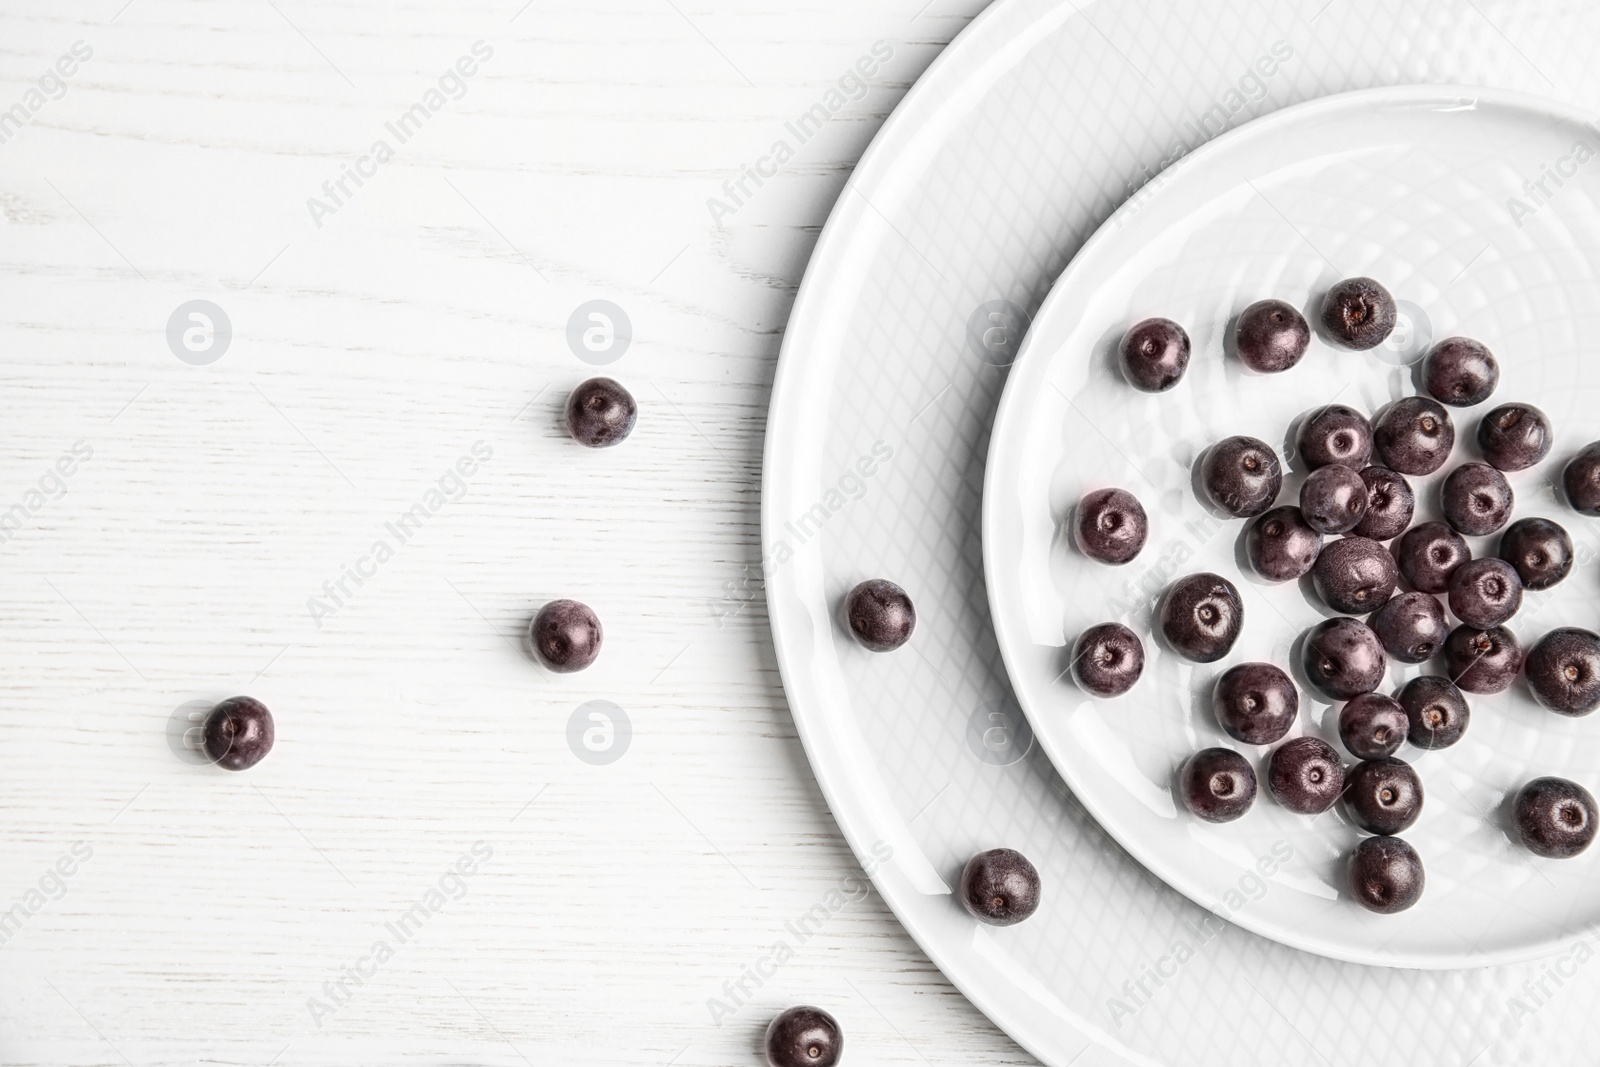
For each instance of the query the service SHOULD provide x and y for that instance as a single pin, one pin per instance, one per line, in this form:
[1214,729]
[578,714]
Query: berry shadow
[184,732]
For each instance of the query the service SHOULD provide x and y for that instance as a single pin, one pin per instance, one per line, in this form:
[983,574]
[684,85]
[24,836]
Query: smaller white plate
[1424,189]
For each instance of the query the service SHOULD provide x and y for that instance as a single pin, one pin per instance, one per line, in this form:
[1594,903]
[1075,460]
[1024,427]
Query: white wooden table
[176,530]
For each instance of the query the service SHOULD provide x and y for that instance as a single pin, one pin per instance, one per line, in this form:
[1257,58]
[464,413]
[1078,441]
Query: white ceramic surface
[1409,186]
[1024,137]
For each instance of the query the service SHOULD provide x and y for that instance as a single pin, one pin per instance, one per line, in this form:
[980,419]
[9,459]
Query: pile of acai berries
[1356,493]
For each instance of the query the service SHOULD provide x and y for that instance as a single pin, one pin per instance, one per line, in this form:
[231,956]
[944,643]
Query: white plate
[1408,185]
[1013,148]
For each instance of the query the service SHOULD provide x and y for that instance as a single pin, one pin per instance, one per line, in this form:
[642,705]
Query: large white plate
[1409,185]
[1014,147]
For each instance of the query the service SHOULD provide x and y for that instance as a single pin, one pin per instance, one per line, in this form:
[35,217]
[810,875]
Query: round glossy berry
[880,614]
[1383,795]
[1305,775]
[1271,336]
[1485,592]
[1107,659]
[1564,671]
[1281,545]
[1334,434]
[1460,372]
[1255,703]
[1411,626]
[1414,435]
[1581,479]
[1201,617]
[1482,661]
[1514,437]
[1358,313]
[1436,712]
[1343,658]
[600,413]
[1154,354]
[1539,549]
[1110,525]
[1372,726]
[1333,499]
[1477,499]
[1000,887]
[1429,555]
[1217,784]
[1390,504]
[1555,818]
[566,636]
[1241,476]
[1386,875]
[238,733]
[1354,575]
[804,1037]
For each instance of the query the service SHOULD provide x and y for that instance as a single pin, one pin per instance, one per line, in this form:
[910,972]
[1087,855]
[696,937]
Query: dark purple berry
[1482,661]
[1358,313]
[1217,784]
[1154,354]
[804,1037]
[1343,658]
[1477,499]
[1386,875]
[1372,726]
[1460,372]
[1539,549]
[1333,499]
[1383,795]
[1390,504]
[600,413]
[1411,626]
[238,733]
[1271,336]
[1414,435]
[1334,434]
[1110,525]
[1107,659]
[1581,479]
[1281,545]
[1555,818]
[1000,887]
[566,636]
[1429,555]
[1201,617]
[1485,592]
[1255,703]
[1305,775]
[1241,476]
[880,615]
[1436,712]
[1564,671]
[1514,437]
[1354,575]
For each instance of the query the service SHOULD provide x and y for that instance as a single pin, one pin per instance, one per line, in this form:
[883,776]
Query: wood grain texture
[425,315]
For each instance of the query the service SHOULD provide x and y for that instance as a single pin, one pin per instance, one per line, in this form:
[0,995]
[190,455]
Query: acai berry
[804,1037]
[1333,499]
[1241,476]
[1390,504]
[1429,555]
[1154,354]
[1281,545]
[1460,372]
[1411,626]
[1414,435]
[1201,617]
[238,733]
[1564,670]
[1343,658]
[1255,703]
[880,615]
[1107,659]
[1555,818]
[1271,336]
[1305,775]
[1436,712]
[600,413]
[1354,575]
[1514,437]
[1110,525]
[1581,479]
[566,636]
[1334,434]
[1539,549]
[1482,661]
[1372,726]
[1477,499]
[1383,796]
[1485,592]
[1217,784]
[1386,875]
[1000,887]
[1358,313]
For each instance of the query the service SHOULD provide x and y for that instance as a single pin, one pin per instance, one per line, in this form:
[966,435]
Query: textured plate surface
[1016,146]
[1404,185]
